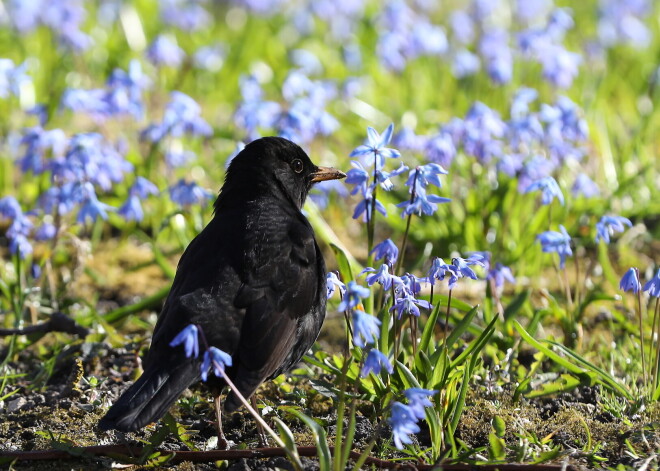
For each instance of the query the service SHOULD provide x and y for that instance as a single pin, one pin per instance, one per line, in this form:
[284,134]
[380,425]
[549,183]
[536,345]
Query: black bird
[253,280]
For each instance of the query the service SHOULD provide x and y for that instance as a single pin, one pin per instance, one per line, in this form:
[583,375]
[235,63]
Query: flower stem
[413,193]
[657,345]
[444,335]
[641,331]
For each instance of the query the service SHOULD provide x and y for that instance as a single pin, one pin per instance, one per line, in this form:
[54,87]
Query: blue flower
[332,282]
[608,225]
[406,303]
[423,175]
[462,266]
[559,242]
[421,203]
[404,423]
[653,285]
[384,178]
[382,276]
[376,146]
[359,177]
[438,270]
[375,361]
[189,337]
[165,51]
[387,250]
[364,207]
[352,296]
[216,358]
[630,281]
[418,400]
[549,190]
[366,329]
[500,274]
[187,194]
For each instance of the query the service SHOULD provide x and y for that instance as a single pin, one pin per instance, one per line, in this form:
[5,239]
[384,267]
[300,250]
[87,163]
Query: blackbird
[253,280]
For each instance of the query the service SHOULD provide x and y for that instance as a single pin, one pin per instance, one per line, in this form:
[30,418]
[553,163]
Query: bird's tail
[149,398]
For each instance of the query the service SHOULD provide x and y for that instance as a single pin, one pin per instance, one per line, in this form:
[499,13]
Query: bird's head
[274,165]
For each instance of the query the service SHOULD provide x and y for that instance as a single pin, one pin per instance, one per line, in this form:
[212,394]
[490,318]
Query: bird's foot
[263,439]
[224,444]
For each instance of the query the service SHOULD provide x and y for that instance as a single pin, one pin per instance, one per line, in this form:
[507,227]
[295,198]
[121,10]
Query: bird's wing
[278,296]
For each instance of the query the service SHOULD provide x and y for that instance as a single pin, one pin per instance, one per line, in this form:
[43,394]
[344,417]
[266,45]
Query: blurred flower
[182,116]
[12,78]
[90,158]
[164,51]
[19,228]
[45,231]
[253,112]
[404,423]
[653,285]
[462,26]
[465,63]
[549,190]
[352,296]
[608,225]
[418,400]
[188,193]
[216,358]
[630,281]
[559,242]
[189,337]
[560,67]
[375,361]
[143,188]
[366,328]
[38,144]
[500,274]
[131,210]
[332,282]
[187,15]
[91,208]
[210,58]
[585,186]
[386,250]
[498,57]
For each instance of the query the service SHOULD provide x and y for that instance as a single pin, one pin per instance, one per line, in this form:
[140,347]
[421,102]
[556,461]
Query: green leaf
[289,443]
[343,264]
[320,438]
[497,448]
[499,426]
[515,305]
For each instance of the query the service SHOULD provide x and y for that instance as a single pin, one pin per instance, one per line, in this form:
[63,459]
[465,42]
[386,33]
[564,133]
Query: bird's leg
[222,441]
[261,433]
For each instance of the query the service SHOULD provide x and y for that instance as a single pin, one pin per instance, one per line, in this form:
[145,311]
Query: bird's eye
[297,165]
